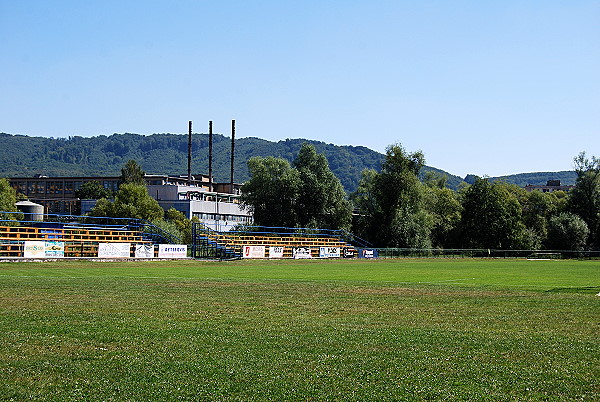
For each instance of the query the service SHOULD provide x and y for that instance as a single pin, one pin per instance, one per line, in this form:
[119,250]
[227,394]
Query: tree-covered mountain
[25,156]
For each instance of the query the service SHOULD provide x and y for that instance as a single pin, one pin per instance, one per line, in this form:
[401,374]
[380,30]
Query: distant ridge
[25,156]
[566,177]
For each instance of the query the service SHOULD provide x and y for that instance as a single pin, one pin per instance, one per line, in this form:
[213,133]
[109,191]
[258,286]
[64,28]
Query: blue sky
[482,87]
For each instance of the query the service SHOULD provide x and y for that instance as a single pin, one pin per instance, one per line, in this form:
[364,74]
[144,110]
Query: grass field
[311,330]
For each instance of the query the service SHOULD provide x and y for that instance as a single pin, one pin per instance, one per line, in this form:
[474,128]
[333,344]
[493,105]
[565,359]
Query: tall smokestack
[190,153]
[232,152]
[210,183]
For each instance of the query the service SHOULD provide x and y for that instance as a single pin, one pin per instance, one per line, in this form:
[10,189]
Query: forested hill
[24,156]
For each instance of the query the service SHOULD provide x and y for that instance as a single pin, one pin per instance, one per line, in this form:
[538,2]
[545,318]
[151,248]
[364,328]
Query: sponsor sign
[43,249]
[275,252]
[253,252]
[349,253]
[329,252]
[54,249]
[34,249]
[114,250]
[172,251]
[301,252]
[368,253]
[144,251]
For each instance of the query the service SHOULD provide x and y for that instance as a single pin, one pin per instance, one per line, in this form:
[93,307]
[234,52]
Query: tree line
[394,208]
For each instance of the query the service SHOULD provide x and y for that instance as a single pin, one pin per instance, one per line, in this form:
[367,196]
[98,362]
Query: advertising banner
[349,253]
[368,253]
[329,252]
[114,250]
[254,251]
[172,251]
[43,249]
[301,252]
[144,251]
[34,249]
[54,249]
[275,252]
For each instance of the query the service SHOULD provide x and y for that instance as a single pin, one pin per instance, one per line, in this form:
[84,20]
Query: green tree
[322,202]
[92,190]
[585,197]
[8,198]
[272,192]
[537,209]
[491,217]
[131,201]
[445,209]
[391,203]
[181,223]
[132,173]
[567,231]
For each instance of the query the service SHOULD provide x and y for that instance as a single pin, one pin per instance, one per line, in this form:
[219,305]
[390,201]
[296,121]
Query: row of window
[56,186]
[221,217]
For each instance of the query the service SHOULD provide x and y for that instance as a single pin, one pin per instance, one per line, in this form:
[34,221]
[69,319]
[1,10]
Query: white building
[218,211]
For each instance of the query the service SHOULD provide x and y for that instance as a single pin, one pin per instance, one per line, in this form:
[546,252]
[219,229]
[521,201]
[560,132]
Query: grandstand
[69,236]
[211,244]
[78,236]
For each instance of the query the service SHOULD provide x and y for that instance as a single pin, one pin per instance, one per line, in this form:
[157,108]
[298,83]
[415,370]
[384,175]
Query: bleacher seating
[236,241]
[78,241]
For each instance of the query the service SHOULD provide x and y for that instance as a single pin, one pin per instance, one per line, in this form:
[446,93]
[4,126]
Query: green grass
[322,330]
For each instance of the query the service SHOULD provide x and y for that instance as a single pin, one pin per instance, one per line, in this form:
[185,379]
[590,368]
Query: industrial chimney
[210,156]
[190,153]
[232,153]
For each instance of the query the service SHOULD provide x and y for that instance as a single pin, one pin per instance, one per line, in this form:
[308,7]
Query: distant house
[551,185]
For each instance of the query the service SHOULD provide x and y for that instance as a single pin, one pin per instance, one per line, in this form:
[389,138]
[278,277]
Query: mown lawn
[321,330]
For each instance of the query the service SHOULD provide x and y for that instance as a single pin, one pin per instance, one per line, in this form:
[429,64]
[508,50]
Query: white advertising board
[301,252]
[172,251]
[34,249]
[54,249]
[43,249]
[114,250]
[329,252]
[276,252]
[254,252]
[144,251]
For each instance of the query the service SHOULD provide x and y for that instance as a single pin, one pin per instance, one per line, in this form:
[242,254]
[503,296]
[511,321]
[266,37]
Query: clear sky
[483,87]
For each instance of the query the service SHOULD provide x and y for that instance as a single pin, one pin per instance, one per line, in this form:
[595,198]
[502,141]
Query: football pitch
[404,329]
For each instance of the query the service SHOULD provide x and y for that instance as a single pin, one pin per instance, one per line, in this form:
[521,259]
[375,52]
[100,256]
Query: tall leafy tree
[491,217]
[92,190]
[322,202]
[585,197]
[132,173]
[445,209]
[272,191]
[391,203]
[567,231]
[131,201]
[8,198]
